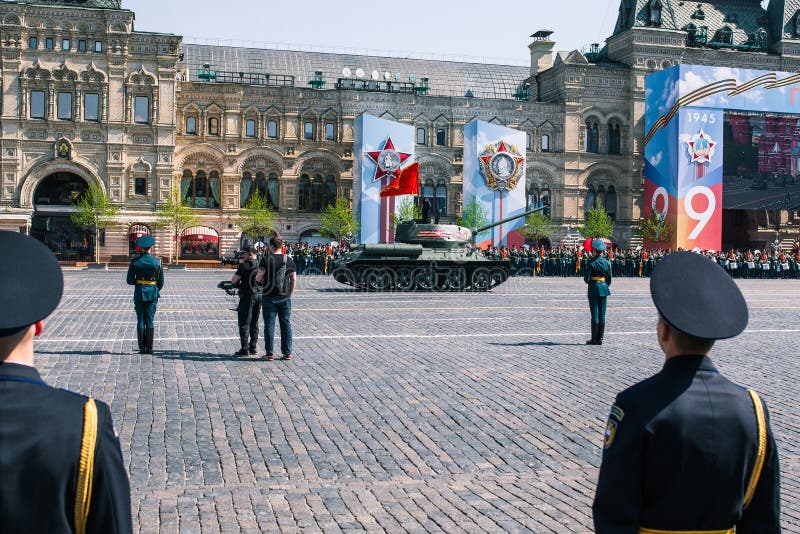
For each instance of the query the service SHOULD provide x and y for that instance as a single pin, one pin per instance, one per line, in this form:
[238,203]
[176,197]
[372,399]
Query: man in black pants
[249,301]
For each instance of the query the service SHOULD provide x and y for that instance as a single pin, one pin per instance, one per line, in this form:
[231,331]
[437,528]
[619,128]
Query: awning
[137,231]
[200,233]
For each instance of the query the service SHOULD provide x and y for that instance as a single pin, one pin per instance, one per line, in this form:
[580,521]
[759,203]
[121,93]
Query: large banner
[381,150]
[689,177]
[494,175]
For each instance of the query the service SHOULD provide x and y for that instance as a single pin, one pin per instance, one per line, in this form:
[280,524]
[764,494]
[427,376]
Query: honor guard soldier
[146,273]
[687,450]
[598,276]
[61,468]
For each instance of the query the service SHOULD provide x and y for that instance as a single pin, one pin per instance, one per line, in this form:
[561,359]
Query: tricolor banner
[494,174]
[383,154]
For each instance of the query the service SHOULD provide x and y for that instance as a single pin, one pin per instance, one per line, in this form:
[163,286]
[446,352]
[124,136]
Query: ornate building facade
[88,100]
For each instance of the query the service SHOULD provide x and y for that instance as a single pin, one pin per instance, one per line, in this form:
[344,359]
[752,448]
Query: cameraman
[249,300]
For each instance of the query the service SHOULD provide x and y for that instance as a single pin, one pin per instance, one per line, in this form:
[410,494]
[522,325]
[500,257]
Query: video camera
[228,287]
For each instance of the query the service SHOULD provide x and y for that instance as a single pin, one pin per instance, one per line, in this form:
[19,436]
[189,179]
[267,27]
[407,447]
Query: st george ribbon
[494,175]
[382,150]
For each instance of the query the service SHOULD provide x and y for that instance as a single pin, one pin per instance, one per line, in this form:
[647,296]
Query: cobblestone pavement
[408,412]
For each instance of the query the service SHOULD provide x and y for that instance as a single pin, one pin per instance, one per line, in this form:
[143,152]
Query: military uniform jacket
[679,451]
[598,268]
[40,441]
[146,274]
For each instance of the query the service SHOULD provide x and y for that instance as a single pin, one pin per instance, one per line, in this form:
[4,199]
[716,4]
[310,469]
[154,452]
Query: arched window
[330,191]
[273,191]
[304,193]
[655,13]
[319,183]
[244,189]
[592,136]
[317,193]
[614,138]
[441,197]
[201,190]
[213,126]
[545,199]
[600,197]
[545,143]
[260,185]
[428,190]
[726,35]
[533,197]
[589,199]
[611,202]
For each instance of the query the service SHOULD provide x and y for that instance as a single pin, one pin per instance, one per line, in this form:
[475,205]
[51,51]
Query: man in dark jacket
[598,276]
[276,272]
[146,274]
[687,450]
[61,468]
[249,301]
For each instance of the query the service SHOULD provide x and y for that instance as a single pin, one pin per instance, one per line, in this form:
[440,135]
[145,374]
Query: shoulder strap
[83,490]
[762,449]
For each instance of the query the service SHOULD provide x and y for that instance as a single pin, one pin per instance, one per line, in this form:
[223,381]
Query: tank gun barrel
[476,231]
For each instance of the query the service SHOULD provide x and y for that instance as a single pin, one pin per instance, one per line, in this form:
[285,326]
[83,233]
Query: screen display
[761,161]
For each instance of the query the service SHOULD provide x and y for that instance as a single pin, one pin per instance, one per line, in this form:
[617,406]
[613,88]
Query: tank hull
[431,270]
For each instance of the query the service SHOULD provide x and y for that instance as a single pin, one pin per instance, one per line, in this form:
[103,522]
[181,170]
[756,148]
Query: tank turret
[426,257]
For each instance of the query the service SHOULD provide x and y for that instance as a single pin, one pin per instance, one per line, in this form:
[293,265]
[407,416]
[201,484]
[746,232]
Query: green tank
[430,257]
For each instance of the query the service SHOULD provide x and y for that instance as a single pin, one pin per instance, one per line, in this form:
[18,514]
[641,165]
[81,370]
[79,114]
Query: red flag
[406,183]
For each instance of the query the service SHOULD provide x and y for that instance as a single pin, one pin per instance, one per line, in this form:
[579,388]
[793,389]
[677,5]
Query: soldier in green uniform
[146,273]
[598,276]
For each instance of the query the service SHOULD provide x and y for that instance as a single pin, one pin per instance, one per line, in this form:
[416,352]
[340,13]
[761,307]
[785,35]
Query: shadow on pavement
[206,356]
[536,344]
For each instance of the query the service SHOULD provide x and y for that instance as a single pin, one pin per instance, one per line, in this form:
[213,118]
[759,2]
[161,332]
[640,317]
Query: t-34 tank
[426,257]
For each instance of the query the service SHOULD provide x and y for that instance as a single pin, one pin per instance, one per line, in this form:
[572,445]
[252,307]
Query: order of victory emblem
[701,148]
[388,160]
[501,166]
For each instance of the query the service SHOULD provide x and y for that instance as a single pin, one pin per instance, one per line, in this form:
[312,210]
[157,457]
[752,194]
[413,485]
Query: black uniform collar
[690,362]
[16,370]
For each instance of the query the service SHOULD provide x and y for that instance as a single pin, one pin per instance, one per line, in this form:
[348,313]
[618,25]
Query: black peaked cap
[697,296]
[31,282]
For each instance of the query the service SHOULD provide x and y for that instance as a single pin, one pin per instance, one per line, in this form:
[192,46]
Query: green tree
[256,219]
[597,223]
[94,212]
[407,210]
[176,216]
[655,228]
[473,215]
[538,226]
[337,219]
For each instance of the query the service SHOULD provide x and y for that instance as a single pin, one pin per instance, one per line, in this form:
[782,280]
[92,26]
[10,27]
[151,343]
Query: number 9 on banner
[702,217]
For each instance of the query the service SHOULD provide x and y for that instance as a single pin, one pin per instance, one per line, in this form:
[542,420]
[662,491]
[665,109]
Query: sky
[496,32]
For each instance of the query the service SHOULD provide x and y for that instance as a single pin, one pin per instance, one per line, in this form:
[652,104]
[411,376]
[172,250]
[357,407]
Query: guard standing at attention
[249,301]
[598,276]
[61,467]
[146,273]
[687,450]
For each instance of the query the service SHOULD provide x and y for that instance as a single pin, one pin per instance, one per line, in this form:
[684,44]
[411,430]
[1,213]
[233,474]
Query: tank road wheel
[425,279]
[344,275]
[378,280]
[481,279]
[404,279]
[455,279]
[498,276]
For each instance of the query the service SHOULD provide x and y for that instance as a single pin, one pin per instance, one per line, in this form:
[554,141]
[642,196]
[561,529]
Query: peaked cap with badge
[31,282]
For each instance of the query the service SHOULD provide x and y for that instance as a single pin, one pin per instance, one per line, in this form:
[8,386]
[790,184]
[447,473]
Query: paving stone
[417,412]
